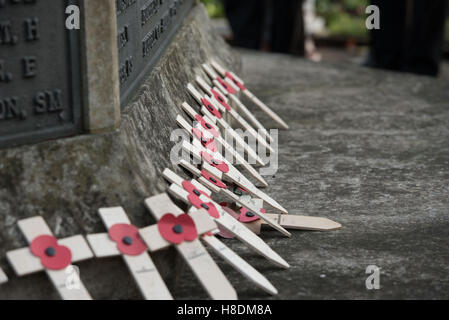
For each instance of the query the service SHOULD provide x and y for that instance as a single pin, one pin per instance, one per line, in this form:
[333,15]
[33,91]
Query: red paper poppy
[213,180]
[247,216]
[177,229]
[200,204]
[220,99]
[206,125]
[207,143]
[226,86]
[237,83]
[210,107]
[220,165]
[52,255]
[191,189]
[127,238]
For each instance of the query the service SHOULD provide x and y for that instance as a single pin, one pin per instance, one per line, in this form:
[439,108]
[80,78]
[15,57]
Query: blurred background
[414,34]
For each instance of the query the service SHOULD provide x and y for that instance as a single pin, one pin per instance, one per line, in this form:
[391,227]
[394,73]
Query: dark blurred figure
[411,36]
[271,25]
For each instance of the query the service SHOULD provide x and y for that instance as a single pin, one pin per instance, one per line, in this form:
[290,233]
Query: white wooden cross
[218,139]
[237,102]
[210,140]
[231,173]
[215,95]
[209,108]
[3,277]
[56,255]
[224,220]
[139,263]
[288,221]
[238,83]
[196,256]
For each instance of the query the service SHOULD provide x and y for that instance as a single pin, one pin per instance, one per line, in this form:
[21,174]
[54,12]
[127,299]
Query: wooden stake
[75,249]
[223,124]
[232,78]
[203,266]
[186,126]
[232,174]
[141,266]
[239,264]
[233,97]
[215,95]
[226,221]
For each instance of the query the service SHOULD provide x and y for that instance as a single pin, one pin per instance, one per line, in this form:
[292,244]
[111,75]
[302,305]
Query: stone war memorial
[143,158]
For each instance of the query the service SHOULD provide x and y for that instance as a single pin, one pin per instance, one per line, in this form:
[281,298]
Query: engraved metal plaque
[39,72]
[145,29]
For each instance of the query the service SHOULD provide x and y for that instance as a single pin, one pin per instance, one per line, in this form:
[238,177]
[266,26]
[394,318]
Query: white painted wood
[79,247]
[203,266]
[156,242]
[3,277]
[195,93]
[208,90]
[234,227]
[142,268]
[239,264]
[233,175]
[251,96]
[24,262]
[222,142]
[305,222]
[185,125]
[238,139]
[102,245]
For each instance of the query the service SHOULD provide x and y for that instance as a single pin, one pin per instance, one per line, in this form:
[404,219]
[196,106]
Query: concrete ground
[369,149]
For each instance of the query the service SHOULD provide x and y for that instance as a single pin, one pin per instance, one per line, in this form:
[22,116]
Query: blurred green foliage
[344,17]
[215,8]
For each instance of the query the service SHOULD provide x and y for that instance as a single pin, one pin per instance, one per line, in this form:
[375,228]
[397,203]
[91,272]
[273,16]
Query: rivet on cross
[53,256]
[123,240]
[166,233]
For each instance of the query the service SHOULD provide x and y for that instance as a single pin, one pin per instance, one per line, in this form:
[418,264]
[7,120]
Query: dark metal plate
[39,72]
[145,29]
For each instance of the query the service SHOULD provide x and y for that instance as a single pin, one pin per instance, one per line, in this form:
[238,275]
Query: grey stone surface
[100,58]
[68,180]
[369,149]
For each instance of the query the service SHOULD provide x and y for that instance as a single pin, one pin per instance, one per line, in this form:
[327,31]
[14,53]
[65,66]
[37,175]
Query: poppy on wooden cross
[288,221]
[237,102]
[219,99]
[212,113]
[179,190]
[232,174]
[123,239]
[175,228]
[240,160]
[232,79]
[46,253]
